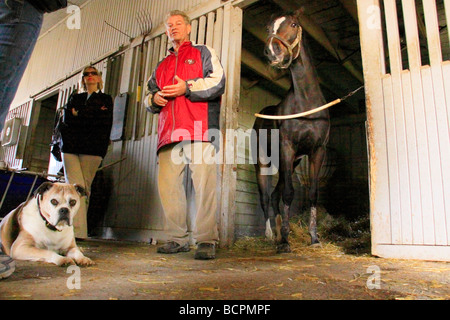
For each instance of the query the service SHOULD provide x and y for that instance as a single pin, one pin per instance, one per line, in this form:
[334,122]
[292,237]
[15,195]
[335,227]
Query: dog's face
[59,203]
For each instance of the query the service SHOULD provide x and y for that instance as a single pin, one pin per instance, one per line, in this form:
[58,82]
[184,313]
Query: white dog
[41,229]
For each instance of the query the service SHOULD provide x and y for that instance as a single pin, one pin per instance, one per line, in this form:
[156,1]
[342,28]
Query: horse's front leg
[288,197]
[287,160]
[264,185]
[315,163]
[275,199]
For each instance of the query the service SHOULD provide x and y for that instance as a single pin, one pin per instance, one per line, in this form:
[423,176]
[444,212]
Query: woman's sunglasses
[91,73]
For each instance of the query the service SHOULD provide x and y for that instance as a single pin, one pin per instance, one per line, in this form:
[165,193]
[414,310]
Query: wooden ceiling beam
[352,9]
[264,70]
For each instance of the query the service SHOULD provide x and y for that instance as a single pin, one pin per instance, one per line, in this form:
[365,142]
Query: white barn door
[408,109]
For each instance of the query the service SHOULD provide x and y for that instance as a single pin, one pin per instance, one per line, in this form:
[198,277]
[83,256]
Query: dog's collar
[47,224]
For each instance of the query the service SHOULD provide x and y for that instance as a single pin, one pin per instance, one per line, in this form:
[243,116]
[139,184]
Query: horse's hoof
[283,248]
[316,244]
[269,235]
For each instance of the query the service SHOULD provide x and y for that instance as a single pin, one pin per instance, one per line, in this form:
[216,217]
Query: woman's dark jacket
[89,131]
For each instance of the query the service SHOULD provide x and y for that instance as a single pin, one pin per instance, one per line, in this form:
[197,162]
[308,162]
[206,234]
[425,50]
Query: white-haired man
[186,89]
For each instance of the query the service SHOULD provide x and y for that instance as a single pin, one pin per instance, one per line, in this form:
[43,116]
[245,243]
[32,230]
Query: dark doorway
[331,33]
[42,134]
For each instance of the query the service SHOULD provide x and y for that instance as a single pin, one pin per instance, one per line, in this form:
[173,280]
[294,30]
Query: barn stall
[128,204]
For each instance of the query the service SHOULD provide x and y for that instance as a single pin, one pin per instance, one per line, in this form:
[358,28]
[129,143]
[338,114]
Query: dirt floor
[135,271]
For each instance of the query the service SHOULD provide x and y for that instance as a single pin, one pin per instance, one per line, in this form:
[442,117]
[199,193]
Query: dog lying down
[41,229]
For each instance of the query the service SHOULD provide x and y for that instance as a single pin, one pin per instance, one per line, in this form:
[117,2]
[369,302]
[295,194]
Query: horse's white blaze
[276,26]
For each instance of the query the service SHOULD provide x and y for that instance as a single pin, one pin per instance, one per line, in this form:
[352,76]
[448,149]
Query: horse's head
[284,41]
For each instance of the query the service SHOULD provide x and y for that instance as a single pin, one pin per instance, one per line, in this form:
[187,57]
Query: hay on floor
[337,236]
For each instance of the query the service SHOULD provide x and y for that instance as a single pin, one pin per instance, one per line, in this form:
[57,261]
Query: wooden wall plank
[201,30]
[230,102]
[433,36]
[433,150]
[443,157]
[194,30]
[447,14]
[395,55]
[218,32]
[373,65]
[412,34]
[393,163]
[446,168]
[414,188]
[210,29]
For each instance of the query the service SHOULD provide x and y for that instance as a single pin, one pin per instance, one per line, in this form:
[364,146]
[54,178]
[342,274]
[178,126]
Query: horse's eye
[294,25]
[54,202]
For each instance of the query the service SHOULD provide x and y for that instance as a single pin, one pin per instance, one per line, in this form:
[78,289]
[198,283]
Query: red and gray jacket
[192,116]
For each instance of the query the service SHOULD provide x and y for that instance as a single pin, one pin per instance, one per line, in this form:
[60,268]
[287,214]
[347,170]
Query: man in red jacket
[185,89]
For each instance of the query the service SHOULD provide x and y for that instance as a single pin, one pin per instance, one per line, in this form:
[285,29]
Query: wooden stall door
[408,95]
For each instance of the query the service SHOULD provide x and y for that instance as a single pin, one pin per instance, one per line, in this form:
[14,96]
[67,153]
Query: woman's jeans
[20,25]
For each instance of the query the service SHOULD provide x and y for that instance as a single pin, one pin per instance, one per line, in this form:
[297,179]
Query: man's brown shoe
[173,247]
[205,251]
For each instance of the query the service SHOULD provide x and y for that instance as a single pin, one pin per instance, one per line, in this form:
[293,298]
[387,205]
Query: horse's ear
[273,16]
[300,12]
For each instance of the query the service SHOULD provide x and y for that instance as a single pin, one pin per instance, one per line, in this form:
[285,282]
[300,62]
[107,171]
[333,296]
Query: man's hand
[158,99]
[176,90]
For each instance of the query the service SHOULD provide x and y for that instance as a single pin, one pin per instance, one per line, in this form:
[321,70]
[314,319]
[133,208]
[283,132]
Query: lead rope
[307,113]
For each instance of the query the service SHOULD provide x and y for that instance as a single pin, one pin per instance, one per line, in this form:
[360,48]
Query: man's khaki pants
[174,161]
[80,169]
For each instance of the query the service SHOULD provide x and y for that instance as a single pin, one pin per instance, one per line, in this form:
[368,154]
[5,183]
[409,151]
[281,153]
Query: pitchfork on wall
[145,26]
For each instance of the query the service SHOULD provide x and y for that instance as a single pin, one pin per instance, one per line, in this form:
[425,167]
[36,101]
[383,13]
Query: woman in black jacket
[85,138]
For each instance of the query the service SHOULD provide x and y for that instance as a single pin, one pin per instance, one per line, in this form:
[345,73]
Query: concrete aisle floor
[135,271]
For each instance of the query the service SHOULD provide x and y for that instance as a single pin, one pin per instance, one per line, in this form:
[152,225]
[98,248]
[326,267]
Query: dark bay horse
[299,137]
